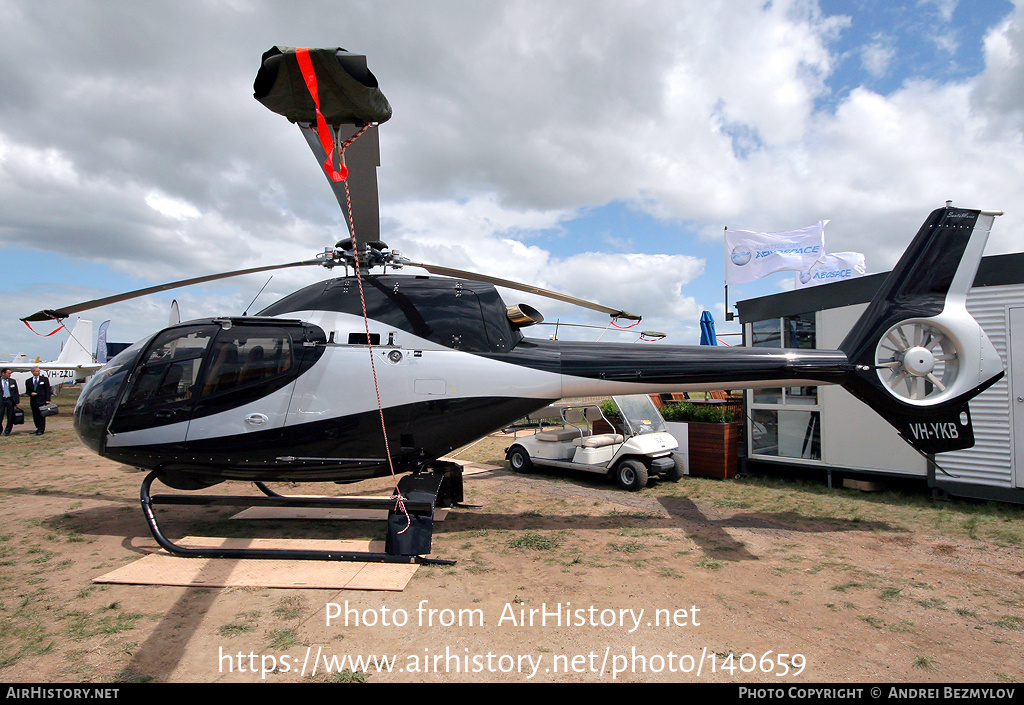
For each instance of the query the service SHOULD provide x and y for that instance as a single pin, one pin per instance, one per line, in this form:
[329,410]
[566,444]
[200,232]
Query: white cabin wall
[991,461]
[852,434]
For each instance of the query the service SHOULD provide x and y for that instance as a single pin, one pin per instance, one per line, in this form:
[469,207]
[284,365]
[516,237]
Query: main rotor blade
[448,272]
[49,314]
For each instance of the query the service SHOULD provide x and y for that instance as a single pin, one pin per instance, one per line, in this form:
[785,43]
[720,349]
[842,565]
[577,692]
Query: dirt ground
[697,581]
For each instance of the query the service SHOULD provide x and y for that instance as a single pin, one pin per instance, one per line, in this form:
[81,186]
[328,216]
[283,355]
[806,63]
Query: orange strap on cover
[326,139]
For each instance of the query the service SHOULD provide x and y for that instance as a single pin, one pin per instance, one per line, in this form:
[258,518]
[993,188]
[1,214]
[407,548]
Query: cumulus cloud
[131,136]
[999,91]
[877,56]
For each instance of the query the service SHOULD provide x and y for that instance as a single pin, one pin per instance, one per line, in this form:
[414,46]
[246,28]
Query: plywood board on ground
[161,568]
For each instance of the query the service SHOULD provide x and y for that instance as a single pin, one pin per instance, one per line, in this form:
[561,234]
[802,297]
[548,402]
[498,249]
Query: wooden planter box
[714,449]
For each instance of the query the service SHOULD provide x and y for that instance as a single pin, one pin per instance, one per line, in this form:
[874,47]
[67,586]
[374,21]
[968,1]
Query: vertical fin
[919,355]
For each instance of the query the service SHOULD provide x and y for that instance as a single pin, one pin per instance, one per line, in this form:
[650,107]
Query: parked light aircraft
[74,364]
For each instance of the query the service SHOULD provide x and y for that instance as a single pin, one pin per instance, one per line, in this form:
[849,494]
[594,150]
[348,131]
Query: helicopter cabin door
[248,382]
[160,398]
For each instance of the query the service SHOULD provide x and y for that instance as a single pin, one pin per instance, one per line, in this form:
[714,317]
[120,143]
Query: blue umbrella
[707,329]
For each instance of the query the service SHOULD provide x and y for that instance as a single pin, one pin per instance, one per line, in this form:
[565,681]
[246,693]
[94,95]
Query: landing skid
[407,538]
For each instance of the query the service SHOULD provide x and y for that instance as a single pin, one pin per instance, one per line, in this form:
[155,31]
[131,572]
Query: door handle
[256,419]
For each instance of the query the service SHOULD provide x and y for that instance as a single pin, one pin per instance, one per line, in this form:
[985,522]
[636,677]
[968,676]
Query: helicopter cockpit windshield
[640,414]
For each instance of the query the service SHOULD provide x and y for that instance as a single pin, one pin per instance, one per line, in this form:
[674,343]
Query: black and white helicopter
[370,374]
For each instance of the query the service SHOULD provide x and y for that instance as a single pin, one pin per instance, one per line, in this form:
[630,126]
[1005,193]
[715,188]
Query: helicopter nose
[92,416]
[98,399]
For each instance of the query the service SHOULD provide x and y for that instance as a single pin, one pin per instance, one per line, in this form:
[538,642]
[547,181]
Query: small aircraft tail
[75,351]
[919,356]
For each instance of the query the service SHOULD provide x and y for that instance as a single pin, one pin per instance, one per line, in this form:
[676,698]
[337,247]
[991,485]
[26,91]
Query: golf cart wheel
[519,460]
[631,475]
[678,468]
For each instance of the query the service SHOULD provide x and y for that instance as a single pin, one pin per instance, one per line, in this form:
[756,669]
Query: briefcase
[48,409]
[18,416]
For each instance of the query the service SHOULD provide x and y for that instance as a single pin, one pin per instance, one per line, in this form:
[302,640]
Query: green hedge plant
[685,412]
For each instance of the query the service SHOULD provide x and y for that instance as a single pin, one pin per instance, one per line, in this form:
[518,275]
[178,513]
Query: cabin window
[244,356]
[245,363]
[164,382]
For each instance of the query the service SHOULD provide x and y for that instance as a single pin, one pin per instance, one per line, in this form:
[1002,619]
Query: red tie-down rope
[336,175]
[44,335]
[613,324]
[61,326]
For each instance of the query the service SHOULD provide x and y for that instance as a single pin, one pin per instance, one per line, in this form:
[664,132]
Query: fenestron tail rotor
[917,361]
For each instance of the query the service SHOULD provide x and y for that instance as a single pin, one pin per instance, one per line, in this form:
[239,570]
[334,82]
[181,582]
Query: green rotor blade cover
[348,91]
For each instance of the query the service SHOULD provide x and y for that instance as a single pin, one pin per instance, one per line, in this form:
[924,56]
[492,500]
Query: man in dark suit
[9,398]
[38,388]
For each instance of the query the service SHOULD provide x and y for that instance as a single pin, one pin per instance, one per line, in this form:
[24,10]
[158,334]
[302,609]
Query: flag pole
[725,250]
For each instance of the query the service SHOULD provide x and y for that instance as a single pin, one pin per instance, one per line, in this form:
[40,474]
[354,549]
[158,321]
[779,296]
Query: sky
[593,147]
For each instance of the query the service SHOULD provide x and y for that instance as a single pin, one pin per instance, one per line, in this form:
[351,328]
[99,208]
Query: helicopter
[371,374]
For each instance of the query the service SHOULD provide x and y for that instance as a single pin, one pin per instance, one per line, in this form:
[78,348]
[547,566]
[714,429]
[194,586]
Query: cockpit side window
[164,383]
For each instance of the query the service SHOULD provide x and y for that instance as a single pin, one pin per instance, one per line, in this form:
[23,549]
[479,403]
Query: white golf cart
[643,449]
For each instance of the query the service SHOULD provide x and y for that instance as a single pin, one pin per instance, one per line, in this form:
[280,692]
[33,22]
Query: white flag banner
[751,255]
[833,267]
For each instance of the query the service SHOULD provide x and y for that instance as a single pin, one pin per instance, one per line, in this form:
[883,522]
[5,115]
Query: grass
[532,542]
[85,625]
[710,563]
[345,676]
[1011,622]
[281,639]
[890,593]
[908,511]
[290,607]
[873,621]
[924,663]
[628,547]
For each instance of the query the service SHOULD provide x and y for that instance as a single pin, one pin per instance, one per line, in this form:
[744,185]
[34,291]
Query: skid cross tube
[415,508]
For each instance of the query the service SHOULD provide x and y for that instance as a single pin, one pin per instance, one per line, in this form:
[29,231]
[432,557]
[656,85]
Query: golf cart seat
[597,440]
[559,435]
